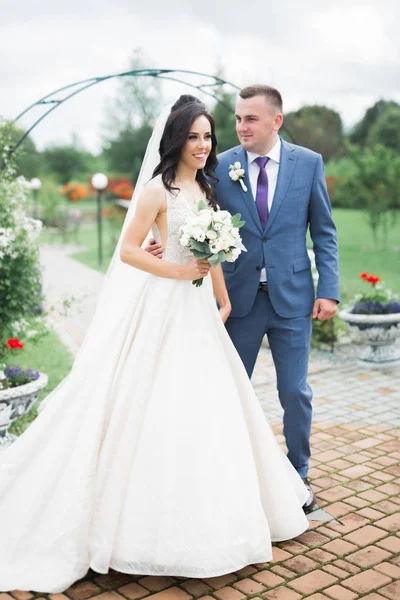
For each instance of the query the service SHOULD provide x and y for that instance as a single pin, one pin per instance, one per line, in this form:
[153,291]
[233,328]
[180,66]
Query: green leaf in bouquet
[202,205]
[237,222]
[200,255]
[221,256]
[214,260]
[200,246]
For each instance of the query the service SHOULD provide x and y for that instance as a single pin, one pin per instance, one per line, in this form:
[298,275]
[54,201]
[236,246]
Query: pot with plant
[374,319]
[19,390]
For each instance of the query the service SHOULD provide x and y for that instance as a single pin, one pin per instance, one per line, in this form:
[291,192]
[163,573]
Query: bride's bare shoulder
[154,190]
[155,183]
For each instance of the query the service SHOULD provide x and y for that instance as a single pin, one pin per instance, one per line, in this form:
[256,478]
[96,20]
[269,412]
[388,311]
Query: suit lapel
[286,167]
[241,155]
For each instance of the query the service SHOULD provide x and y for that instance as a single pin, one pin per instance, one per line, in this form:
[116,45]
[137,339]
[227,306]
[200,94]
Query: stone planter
[379,332]
[15,403]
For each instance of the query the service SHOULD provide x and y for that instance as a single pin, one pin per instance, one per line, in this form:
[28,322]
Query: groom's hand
[324,309]
[155,249]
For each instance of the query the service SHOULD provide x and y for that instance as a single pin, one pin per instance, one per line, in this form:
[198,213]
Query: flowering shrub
[74,191]
[13,376]
[115,186]
[19,251]
[124,190]
[377,300]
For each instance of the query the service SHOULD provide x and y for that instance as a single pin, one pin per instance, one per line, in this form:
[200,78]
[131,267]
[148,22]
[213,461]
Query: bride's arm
[150,204]
[220,292]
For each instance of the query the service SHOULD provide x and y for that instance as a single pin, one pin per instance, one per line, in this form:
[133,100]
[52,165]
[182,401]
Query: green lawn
[50,356]
[87,238]
[89,256]
[357,252]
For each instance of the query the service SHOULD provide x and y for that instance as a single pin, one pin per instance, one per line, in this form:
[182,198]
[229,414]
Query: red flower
[14,343]
[364,276]
[373,279]
[74,191]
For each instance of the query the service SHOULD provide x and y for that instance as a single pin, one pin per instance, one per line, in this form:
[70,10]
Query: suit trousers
[289,340]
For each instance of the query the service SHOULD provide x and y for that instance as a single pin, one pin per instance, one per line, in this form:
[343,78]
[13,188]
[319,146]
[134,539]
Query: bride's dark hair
[183,114]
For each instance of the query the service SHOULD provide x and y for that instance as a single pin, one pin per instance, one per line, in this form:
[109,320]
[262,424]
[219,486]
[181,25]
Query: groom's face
[257,124]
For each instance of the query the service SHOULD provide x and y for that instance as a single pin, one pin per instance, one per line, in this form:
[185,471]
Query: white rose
[232,240]
[190,230]
[223,242]
[229,257]
[211,234]
[237,165]
[191,222]
[204,217]
[240,172]
[184,240]
[235,233]
[233,175]
[229,239]
[218,226]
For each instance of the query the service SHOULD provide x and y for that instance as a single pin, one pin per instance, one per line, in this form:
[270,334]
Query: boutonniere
[236,173]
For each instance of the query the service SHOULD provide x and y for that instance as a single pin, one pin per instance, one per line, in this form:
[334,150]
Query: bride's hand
[196,269]
[224,312]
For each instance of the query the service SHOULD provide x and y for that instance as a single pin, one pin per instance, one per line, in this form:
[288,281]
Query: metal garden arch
[62,95]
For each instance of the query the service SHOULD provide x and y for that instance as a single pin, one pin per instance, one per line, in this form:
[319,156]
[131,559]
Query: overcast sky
[344,54]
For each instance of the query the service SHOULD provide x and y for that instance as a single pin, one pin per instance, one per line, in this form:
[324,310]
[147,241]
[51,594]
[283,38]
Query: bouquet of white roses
[213,235]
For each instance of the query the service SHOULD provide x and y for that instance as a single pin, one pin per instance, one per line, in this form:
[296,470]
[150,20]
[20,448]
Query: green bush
[19,250]
[50,202]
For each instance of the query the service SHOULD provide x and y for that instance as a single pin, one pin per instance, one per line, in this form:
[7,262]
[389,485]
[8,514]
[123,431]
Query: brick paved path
[355,471]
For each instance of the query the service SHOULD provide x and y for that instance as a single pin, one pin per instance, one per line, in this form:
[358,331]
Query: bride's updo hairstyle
[183,114]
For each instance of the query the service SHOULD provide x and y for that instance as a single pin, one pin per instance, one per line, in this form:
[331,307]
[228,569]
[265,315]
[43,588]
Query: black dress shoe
[311,502]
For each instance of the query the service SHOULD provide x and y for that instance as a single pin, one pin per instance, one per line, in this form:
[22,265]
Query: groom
[281,193]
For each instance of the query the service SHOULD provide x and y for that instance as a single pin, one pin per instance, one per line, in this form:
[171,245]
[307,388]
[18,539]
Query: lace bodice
[178,211]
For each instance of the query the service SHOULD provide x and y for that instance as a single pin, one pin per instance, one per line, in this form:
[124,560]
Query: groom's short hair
[271,94]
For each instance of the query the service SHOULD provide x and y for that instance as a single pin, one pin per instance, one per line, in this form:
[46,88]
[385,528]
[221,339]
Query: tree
[224,114]
[386,129]
[362,129]
[138,101]
[130,120]
[66,162]
[125,153]
[316,127]
[372,184]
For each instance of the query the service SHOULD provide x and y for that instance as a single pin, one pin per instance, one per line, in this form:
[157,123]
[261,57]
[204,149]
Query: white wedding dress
[155,458]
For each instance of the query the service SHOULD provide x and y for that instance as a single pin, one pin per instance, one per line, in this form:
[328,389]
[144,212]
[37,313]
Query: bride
[153,456]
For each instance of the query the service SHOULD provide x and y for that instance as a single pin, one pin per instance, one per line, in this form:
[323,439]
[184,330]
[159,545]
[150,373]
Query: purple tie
[262,190]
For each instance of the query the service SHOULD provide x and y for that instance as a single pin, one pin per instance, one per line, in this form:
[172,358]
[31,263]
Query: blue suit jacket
[301,200]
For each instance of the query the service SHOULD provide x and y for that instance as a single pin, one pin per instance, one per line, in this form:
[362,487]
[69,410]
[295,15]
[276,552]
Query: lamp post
[99,182]
[35,184]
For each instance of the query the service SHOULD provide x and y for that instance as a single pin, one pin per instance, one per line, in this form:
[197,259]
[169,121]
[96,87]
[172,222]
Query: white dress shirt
[272,170]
